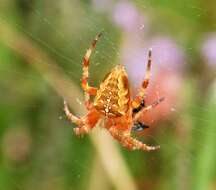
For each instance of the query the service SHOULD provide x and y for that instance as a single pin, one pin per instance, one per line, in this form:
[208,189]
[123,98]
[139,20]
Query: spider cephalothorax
[113,104]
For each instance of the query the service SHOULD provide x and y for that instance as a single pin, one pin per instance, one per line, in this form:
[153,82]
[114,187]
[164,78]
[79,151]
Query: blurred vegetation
[38,149]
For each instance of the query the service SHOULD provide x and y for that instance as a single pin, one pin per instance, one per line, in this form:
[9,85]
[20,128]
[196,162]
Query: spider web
[64,31]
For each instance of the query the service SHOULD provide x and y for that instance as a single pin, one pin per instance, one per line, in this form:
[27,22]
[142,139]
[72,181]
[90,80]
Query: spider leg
[88,90]
[137,115]
[86,123]
[129,142]
[139,99]
[72,118]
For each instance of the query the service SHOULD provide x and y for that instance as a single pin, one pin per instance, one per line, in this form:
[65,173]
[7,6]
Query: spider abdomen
[113,96]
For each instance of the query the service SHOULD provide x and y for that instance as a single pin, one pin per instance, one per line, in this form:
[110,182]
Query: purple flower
[167,54]
[209,49]
[134,59]
[127,16]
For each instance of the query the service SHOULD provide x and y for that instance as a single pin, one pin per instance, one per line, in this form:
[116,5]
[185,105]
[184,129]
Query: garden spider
[113,104]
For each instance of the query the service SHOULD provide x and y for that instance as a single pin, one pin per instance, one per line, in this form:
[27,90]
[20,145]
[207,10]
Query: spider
[113,104]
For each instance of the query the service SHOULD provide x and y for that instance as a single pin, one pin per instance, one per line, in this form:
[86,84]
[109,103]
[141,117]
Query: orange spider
[113,104]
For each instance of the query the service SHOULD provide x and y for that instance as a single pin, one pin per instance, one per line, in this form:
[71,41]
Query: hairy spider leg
[138,102]
[129,142]
[88,90]
[147,108]
[86,123]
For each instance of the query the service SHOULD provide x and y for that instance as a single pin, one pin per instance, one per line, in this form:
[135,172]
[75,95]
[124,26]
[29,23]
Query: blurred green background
[41,48]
